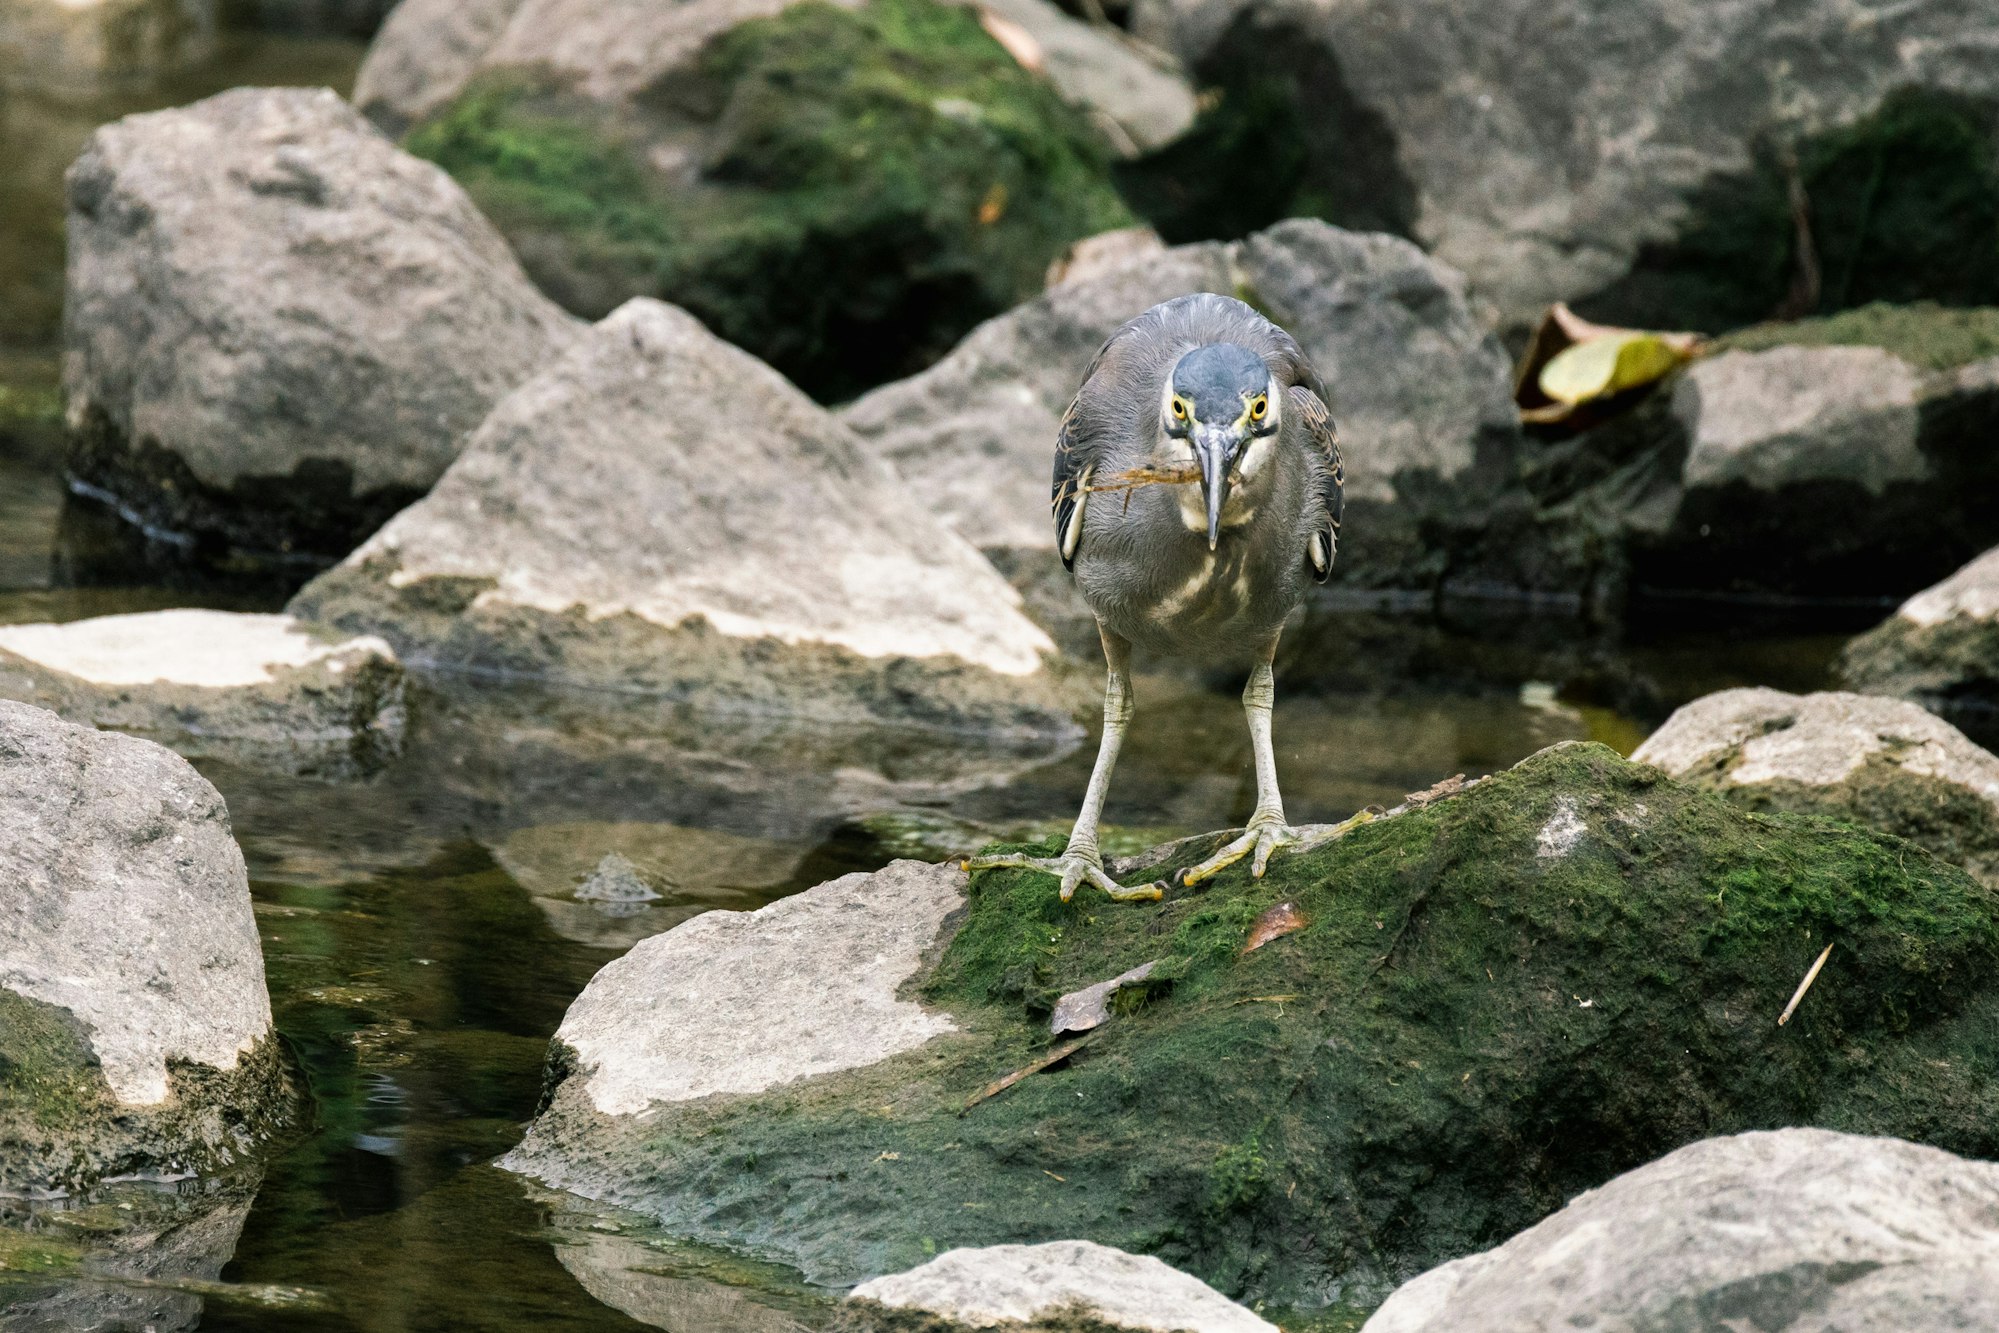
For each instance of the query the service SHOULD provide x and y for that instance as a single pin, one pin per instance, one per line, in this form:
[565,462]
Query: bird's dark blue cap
[1215,379]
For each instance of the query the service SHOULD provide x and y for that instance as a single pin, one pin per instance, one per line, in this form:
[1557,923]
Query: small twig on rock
[1804,986]
[1054,1057]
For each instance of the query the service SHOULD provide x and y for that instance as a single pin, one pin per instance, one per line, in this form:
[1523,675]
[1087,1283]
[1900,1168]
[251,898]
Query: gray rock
[661,513]
[614,51]
[280,326]
[1788,1231]
[737,1002]
[1840,471]
[1540,147]
[984,1287]
[263,691]
[1420,391]
[66,47]
[137,1032]
[1883,762]
[1941,646]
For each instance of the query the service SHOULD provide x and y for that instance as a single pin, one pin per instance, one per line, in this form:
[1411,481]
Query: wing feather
[1324,543]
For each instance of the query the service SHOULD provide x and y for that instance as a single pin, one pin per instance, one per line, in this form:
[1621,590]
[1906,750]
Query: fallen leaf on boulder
[1090,1007]
[1274,924]
[1576,372]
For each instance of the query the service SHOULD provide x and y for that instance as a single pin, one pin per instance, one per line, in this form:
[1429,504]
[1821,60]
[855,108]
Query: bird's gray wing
[1324,543]
[1075,459]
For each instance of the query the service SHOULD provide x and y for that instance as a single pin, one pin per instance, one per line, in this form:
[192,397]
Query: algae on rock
[844,191]
[1503,998]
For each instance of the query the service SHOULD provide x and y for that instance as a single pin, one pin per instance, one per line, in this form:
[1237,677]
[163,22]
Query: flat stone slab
[980,1288]
[262,689]
[737,1002]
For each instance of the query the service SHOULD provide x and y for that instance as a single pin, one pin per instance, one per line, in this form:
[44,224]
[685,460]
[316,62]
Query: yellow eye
[1179,410]
[1259,408]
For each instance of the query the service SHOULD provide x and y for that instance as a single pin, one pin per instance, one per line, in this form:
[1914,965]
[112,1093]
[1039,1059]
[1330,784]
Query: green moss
[1923,334]
[1475,1025]
[873,182]
[1904,206]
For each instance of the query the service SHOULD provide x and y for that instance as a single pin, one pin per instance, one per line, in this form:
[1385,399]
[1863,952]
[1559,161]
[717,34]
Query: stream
[422,941]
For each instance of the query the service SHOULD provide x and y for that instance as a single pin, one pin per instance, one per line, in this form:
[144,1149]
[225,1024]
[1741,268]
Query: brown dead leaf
[1275,923]
[993,207]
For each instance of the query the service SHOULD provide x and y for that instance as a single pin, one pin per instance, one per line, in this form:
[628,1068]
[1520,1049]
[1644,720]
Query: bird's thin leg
[1267,829]
[1081,860]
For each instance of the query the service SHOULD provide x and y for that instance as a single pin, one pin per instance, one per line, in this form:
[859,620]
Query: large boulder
[1404,1044]
[616,50]
[135,1031]
[83,46]
[1046,1286]
[260,690]
[1420,392]
[1941,646]
[844,188]
[279,326]
[1886,763]
[1790,1231]
[1646,153]
[1836,459]
[662,513]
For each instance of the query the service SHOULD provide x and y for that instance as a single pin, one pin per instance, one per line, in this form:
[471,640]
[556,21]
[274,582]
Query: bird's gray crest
[1216,380]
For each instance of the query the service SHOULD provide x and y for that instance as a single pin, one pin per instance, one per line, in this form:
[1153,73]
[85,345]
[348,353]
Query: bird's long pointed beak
[1213,449]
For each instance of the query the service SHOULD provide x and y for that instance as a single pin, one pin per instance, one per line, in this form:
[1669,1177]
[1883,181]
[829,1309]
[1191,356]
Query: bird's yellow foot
[1259,838]
[1073,869]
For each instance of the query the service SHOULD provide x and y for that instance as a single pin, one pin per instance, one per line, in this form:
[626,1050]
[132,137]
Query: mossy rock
[869,184]
[1501,999]
[1923,333]
[61,1127]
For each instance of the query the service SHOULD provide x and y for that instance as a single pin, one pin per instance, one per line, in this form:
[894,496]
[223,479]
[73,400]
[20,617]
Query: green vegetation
[1904,206]
[873,182]
[1923,334]
[1480,1020]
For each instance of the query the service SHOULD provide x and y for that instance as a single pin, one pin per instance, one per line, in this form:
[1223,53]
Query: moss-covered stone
[871,183]
[61,1127]
[1924,333]
[1501,999]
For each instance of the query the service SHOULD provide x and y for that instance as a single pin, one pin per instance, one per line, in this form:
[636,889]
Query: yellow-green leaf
[1602,366]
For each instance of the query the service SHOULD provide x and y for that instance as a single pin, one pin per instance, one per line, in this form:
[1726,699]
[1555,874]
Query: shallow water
[423,938]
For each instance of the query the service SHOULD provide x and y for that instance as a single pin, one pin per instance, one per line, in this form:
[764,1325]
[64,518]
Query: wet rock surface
[279,327]
[1631,152]
[1885,763]
[797,579]
[262,691]
[137,1033]
[1789,1230]
[1420,392]
[1492,967]
[1034,1286]
[1941,646]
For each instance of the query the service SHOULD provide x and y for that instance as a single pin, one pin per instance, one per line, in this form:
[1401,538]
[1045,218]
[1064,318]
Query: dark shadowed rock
[1791,1231]
[661,513]
[135,1032]
[280,326]
[1942,646]
[1886,763]
[850,1076]
[1632,149]
[1066,1280]
[262,691]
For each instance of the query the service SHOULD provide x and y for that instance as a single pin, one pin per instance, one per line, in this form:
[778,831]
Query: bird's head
[1219,399]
